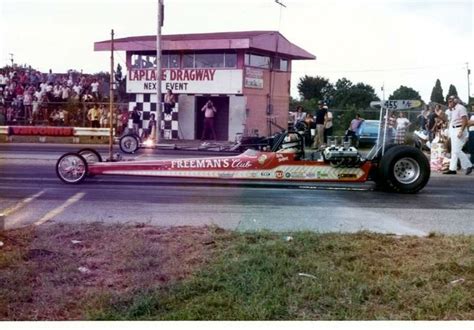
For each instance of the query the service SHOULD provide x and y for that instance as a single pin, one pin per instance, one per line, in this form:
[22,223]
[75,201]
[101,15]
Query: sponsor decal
[265,174]
[253,175]
[297,175]
[287,175]
[226,175]
[321,175]
[41,130]
[211,163]
[347,176]
[310,175]
[253,78]
[262,159]
[281,158]
[279,174]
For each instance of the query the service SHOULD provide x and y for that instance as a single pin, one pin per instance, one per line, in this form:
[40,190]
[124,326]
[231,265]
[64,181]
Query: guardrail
[54,131]
[86,131]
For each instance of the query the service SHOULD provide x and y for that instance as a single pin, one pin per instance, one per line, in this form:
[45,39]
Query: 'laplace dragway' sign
[206,80]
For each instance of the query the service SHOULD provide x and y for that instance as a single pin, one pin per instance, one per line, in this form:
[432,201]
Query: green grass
[353,277]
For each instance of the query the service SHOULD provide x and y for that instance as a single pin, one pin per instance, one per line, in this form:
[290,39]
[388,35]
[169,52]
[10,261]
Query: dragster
[394,168]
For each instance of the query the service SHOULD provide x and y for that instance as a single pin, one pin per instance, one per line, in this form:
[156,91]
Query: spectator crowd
[30,97]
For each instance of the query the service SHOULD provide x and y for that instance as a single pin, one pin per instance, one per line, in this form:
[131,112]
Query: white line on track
[60,208]
[21,204]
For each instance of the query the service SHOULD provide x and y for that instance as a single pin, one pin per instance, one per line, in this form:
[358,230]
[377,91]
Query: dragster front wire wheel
[90,155]
[71,168]
[129,144]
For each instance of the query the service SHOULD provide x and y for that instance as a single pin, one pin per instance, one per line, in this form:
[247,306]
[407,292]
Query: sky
[378,42]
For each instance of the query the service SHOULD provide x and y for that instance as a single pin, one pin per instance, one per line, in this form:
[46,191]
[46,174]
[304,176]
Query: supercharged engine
[342,156]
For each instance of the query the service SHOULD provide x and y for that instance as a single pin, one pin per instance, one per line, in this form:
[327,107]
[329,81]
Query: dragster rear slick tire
[403,169]
[71,168]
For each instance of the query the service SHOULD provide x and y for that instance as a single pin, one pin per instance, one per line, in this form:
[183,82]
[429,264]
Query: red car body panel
[251,165]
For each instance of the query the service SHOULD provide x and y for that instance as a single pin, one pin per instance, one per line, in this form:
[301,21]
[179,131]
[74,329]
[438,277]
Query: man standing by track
[320,118]
[458,133]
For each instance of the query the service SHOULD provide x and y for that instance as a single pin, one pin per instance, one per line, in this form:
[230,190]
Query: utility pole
[11,58]
[272,73]
[281,7]
[468,83]
[160,17]
[111,98]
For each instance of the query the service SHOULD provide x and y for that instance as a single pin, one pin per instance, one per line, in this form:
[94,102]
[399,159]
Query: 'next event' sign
[187,81]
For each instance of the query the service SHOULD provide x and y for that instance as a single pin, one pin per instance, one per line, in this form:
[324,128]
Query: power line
[383,70]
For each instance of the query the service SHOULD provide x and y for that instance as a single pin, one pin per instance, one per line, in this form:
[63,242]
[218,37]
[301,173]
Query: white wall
[237,115]
[186,117]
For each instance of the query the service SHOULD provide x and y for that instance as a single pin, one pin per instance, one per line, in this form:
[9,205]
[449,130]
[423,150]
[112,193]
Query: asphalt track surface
[30,193]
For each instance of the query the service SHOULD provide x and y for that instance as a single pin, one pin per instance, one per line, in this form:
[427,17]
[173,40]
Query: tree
[452,91]
[349,95]
[405,93]
[437,93]
[313,87]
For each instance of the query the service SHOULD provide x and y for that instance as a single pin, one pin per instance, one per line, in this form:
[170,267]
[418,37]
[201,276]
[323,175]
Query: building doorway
[221,119]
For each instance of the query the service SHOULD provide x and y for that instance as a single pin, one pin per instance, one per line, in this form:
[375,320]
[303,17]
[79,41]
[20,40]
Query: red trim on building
[266,41]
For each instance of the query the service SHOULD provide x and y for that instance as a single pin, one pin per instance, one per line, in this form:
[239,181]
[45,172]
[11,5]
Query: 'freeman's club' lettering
[210,163]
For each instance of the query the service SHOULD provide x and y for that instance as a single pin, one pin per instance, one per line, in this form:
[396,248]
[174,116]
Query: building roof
[262,41]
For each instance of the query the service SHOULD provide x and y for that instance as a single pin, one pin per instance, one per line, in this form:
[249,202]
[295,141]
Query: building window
[148,61]
[230,60]
[209,60]
[214,60]
[280,64]
[143,61]
[173,61]
[169,61]
[188,60]
[257,61]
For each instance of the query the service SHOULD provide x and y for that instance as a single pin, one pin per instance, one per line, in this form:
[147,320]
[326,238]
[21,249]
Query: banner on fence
[41,130]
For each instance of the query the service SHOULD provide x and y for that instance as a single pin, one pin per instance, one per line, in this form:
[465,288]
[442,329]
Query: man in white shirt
[95,89]
[458,134]
[3,80]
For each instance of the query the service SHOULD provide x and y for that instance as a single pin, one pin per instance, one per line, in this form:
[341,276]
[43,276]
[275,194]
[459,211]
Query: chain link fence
[63,114]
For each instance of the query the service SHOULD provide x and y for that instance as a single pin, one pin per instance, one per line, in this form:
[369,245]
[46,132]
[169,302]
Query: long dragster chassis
[397,168]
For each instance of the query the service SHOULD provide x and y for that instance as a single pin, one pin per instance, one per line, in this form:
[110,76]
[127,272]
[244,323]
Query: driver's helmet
[290,144]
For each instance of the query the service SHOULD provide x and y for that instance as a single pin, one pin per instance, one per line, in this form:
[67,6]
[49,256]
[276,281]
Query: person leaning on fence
[351,131]
[123,121]
[300,115]
[458,133]
[93,115]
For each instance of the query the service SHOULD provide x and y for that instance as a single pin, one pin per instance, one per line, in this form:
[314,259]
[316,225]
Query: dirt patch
[49,272]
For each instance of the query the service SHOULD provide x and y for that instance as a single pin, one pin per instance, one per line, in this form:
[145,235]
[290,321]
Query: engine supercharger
[339,156]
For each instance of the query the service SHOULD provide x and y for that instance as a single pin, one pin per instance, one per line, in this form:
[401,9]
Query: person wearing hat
[459,135]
